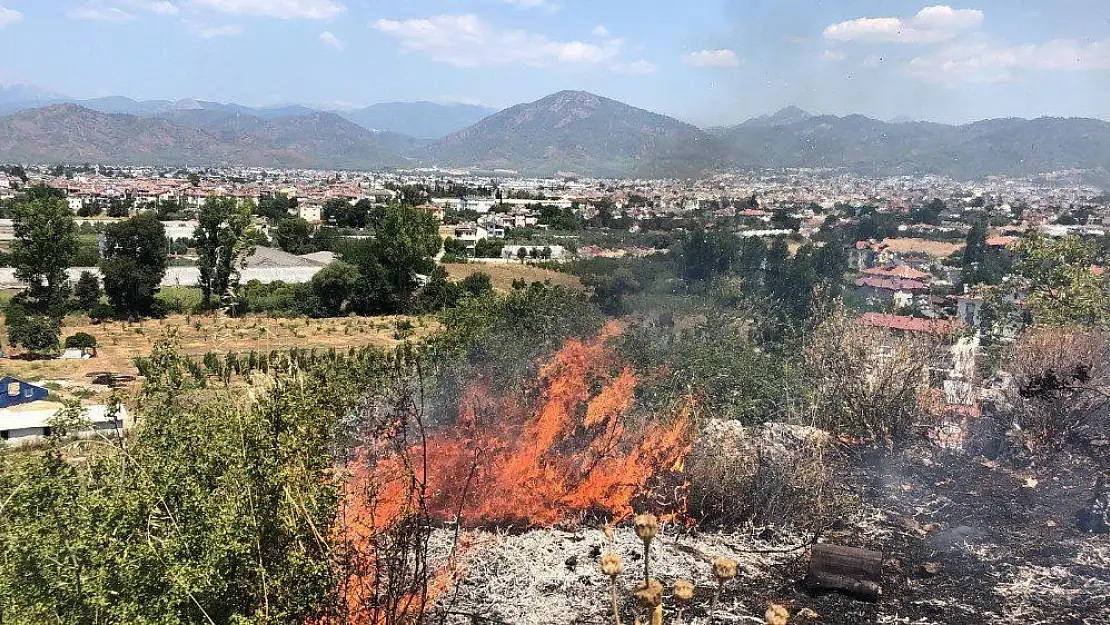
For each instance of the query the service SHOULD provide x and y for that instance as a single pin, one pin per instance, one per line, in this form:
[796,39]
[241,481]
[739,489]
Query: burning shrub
[866,382]
[778,474]
[1061,382]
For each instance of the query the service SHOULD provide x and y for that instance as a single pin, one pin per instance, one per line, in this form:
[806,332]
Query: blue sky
[706,61]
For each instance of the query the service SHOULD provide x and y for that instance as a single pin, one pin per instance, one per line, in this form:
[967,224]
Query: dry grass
[503,274]
[936,249]
[120,342]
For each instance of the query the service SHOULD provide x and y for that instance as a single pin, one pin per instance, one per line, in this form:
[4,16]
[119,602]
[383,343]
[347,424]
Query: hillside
[426,120]
[71,133]
[583,133]
[855,142]
[570,131]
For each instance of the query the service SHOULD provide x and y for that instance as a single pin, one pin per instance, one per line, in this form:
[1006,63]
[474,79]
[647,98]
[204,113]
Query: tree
[224,238]
[477,284]
[294,235]
[275,208]
[45,245]
[343,214]
[1060,279]
[488,248]
[707,253]
[403,246]
[521,254]
[38,334]
[134,263]
[80,340]
[87,290]
[334,286]
[928,213]
[194,179]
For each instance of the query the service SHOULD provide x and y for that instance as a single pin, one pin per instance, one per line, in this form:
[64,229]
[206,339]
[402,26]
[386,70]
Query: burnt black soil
[971,540]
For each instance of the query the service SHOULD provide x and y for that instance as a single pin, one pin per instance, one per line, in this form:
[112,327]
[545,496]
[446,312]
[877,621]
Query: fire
[565,450]
[567,453]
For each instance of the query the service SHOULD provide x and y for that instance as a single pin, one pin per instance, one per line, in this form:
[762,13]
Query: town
[521,312]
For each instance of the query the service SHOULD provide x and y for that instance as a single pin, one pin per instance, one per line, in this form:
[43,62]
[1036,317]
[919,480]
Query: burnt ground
[968,539]
[965,539]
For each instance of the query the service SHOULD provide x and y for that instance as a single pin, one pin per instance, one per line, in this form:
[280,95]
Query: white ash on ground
[549,575]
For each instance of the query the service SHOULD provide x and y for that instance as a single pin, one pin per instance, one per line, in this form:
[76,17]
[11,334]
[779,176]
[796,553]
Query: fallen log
[857,572]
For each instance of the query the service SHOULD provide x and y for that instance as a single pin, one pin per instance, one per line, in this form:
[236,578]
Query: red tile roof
[911,324]
[892,284]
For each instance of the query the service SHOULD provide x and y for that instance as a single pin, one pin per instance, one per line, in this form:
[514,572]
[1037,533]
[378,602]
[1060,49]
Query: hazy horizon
[717,62]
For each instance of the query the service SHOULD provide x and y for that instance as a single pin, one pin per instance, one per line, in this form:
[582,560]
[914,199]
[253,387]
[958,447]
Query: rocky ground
[966,539]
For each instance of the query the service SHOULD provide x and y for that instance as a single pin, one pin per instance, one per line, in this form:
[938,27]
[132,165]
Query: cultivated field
[936,249]
[120,342]
[503,274]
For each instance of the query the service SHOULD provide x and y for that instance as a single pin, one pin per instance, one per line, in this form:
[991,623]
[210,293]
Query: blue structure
[14,392]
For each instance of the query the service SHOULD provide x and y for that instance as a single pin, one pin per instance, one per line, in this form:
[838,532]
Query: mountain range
[424,120]
[567,132]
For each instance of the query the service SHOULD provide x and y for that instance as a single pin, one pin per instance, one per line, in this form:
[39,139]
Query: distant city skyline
[711,62]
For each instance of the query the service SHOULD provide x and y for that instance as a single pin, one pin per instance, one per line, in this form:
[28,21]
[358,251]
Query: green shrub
[81,340]
[179,299]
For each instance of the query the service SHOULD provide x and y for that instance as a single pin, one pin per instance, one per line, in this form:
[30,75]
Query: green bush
[179,299]
[81,340]
[38,334]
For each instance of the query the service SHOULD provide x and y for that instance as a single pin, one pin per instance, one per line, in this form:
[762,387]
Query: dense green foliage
[36,333]
[134,263]
[87,291]
[1061,283]
[223,238]
[45,246]
[405,241]
[210,512]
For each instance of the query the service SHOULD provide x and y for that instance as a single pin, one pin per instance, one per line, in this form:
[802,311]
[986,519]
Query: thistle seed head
[647,527]
[724,569]
[683,590]
[611,564]
[649,594]
[777,615]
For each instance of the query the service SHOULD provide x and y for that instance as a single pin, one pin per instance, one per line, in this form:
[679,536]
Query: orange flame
[568,452]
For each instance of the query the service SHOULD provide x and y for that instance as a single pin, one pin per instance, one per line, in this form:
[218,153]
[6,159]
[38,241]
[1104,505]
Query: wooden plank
[846,569]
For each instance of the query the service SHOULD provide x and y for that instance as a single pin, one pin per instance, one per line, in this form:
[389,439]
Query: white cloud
[930,25]
[987,61]
[713,58]
[97,12]
[832,55]
[636,68]
[467,41]
[283,9]
[600,31]
[331,40]
[161,7]
[211,32]
[9,16]
[872,61]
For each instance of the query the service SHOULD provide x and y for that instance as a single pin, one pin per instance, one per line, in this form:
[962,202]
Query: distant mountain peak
[787,115]
[583,132]
[23,92]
